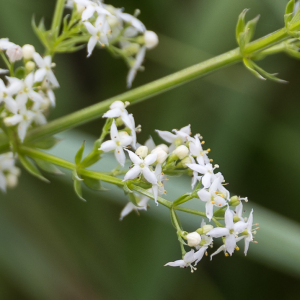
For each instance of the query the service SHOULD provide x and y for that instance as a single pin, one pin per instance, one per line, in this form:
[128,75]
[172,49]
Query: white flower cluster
[28,92]
[9,173]
[122,33]
[148,164]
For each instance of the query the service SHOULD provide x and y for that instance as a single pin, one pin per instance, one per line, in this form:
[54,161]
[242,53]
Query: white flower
[6,94]
[197,151]
[136,66]
[212,197]
[133,21]
[187,261]
[158,188]
[141,166]
[151,39]
[7,168]
[14,53]
[44,71]
[5,44]
[98,33]
[230,231]
[119,140]
[3,71]
[181,136]
[249,237]
[181,151]
[26,90]
[118,109]
[206,170]
[28,51]
[142,205]
[25,118]
[91,8]
[193,239]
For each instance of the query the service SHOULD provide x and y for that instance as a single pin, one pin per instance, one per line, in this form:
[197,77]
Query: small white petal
[108,146]
[149,175]
[132,173]
[150,159]
[134,158]
[218,232]
[120,156]
[230,243]
[167,136]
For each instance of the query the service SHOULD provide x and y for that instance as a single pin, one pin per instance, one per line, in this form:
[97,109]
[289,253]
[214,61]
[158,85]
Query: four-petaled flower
[119,140]
[141,166]
[197,151]
[230,231]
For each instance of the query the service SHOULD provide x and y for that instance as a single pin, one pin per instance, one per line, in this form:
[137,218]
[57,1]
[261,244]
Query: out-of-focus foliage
[54,246]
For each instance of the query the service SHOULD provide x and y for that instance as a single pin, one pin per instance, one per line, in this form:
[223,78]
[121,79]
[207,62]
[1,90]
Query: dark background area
[55,247]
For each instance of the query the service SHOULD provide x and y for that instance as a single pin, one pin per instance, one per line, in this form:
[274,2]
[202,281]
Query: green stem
[91,174]
[57,17]
[154,88]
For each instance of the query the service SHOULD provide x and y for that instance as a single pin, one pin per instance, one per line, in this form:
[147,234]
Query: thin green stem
[91,174]
[57,17]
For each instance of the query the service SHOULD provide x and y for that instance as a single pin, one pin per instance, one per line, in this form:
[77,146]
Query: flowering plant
[27,97]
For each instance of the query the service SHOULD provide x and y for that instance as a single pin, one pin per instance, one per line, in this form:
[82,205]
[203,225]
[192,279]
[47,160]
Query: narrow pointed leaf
[79,153]
[93,184]
[290,7]
[250,28]
[75,176]
[126,189]
[48,167]
[181,199]
[240,26]
[133,199]
[248,64]
[78,189]
[46,143]
[31,168]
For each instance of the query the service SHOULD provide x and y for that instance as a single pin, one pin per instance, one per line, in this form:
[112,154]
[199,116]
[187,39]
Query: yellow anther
[237,248]
[167,179]
[206,253]
[221,195]
[162,173]
[208,150]
[161,184]
[220,204]
[165,191]
[255,242]
[216,192]
[226,254]
[211,160]
[118,151]
[213,202]
[203,142]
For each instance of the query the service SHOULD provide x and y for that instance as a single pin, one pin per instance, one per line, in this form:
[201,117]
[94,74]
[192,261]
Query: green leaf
[48,167]
[46,143]
[290,7]
[40,32]
[20,72]
[250,28]
[78,189]
[79,153]
[240,26]
[249,65]
[268,75]
[181,199]
[75,176]
[90,160]
[31,168]
[93,184]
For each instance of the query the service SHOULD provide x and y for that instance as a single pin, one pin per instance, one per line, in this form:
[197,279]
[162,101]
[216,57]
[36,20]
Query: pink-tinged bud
[14,53]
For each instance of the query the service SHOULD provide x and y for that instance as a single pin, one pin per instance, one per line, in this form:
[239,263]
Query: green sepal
[79,154]
[78,189]
[290,7]
[249,65]
[240,26]
[181,199]
[93,184]
[90,160]
[31,168]
[45,144]
[40,31]
[48,167]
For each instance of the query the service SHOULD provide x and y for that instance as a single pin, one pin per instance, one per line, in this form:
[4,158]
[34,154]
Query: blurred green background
[53,246]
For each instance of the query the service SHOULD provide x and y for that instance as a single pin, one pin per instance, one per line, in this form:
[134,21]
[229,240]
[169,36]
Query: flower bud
[164,147]
[181,152]
[151,39]
[14,53]
[30,65]
[186,160]
[131,49]
[207,228]
[142,151]
[234,201]
[117,104]
[161,154]
[28,51]
[11,180]
[193,239]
